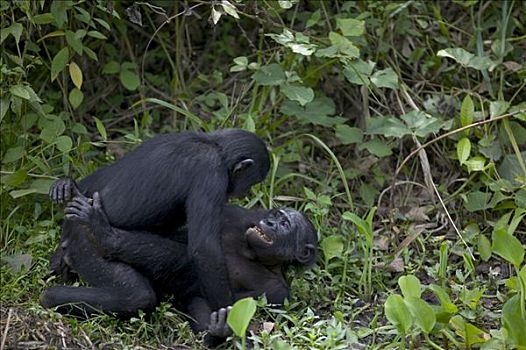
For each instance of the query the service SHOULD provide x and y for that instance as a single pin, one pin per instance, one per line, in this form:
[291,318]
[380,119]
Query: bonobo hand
[63,190]
[218,326]
[91,214]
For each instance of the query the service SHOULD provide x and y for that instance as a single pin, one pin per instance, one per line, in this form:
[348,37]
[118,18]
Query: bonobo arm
[63,190]
[204,218]
[203,319]
[155,256]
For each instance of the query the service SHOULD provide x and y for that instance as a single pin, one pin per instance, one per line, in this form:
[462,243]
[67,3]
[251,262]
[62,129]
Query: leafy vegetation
[398,127]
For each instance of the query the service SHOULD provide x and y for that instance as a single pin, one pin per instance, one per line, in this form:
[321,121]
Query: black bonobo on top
[180,179]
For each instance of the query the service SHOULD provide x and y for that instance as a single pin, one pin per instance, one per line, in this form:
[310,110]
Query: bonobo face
[283,236]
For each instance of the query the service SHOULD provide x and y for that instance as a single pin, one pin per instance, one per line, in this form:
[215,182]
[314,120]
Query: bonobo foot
[90,213]
[63,190]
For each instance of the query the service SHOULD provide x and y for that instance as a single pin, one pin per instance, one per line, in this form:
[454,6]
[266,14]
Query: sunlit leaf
[410,286]
[239,317]
[301,94]
[508,247]
[76,74]
[463,149]
[397,313]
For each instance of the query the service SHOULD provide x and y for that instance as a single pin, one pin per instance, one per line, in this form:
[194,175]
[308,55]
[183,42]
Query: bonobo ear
[242,165]
[308,255]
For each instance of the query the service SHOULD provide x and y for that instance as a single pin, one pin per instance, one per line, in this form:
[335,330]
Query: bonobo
[175,180]
[130,270]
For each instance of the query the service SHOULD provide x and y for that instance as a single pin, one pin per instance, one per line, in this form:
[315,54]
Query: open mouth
[256,230]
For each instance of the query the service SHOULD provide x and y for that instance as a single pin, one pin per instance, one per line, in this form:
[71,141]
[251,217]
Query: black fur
[175,180]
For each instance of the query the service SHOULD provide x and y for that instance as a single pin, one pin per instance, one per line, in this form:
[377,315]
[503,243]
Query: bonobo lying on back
[175,180]
[129,270]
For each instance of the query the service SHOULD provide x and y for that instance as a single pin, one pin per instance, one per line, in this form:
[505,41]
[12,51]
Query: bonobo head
[283,236]
[246,157]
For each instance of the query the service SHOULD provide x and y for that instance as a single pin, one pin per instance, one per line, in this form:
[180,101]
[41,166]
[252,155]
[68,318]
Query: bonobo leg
[114,287]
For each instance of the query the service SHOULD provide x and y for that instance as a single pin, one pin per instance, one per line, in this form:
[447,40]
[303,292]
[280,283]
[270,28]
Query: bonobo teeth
[261,234]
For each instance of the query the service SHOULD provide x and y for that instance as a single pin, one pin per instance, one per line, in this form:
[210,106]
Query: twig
[6,329]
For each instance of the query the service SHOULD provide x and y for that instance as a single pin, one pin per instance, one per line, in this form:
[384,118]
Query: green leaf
[385,78]
[388,127]
[20,91]
[344,45]
[477,200]
[58,10]
[445,302]
[74,42]
[41,185]
[13,154]
[410,286]
[240,315]
[17,262]
[313,19]
[15,30]
[513,321]
[348,135]
[4,106]
[376,147]
[332,247]
[112,67]
[470,333]
[102,23]
[359,71]
[484,247]
[466,58]
[16,179]
[285,4]
[421,123]
[20,193]
[75,98]
[475,163]
[101,128]
[97,35]
[508,247]
[268,75]
[59,62]
[316,112]
[350,26]
[90,53]
[467,111]
[422,313]
[463,149]
[43,18]
[497,108]
[398,314]
[76,74]
[64,143]
[229,9]
[298,93]
[129,80]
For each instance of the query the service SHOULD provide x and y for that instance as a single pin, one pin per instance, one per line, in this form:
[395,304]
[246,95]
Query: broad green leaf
[508,247]
[102,23]
[422,313]
[484,247]
[15,30]
[59,62]
[513,322]
[332,247]
[4,107]
[348,135]
[313,19]
[90,53]
[20,193]
[41,185]
[16,179]
[75,97]
[317,111]
[477,200]
[64,143]
[301,94]
[240,315]
[17,262]
[76,74]
[376,147]
[344,45]
[466,58]
[58,10]
[268,75]
[97,35]
[129,79]
[13,154]
[467,111]
[497,108]
[101,128]
[350,26]
[386,78]
[410,286]
[398,314]
[359,71]
[43,18]
[20,91]
[445,302]
[475,164]
[421,123]
[470,333]
[74,42]
[388,127]
[463,149]
[112,67]
[229,9]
